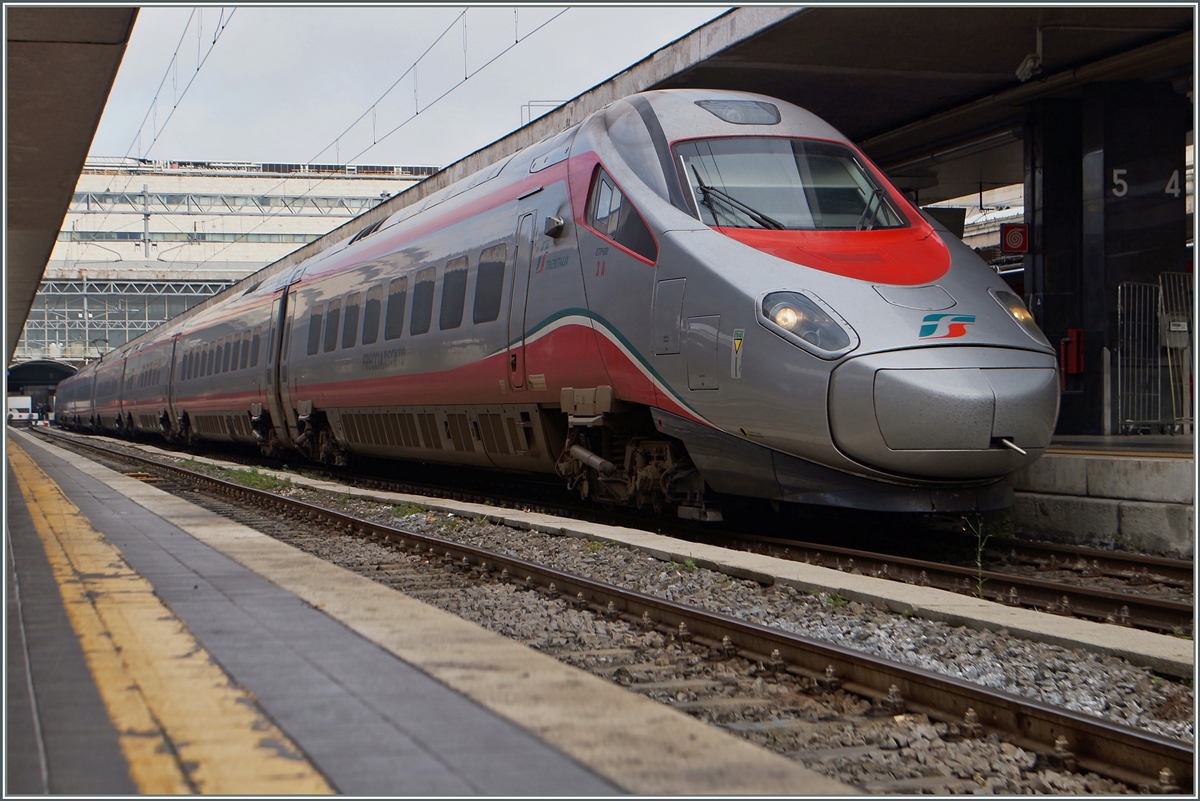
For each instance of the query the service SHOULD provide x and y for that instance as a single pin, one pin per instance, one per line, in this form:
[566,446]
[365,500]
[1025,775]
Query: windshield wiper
[752,213]
[876,195]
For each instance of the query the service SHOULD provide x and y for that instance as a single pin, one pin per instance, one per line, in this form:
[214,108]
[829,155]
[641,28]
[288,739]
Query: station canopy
[932,94]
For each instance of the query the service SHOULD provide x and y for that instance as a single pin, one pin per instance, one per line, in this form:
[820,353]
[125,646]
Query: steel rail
[1144,611]
[1134,757]
[1109,562]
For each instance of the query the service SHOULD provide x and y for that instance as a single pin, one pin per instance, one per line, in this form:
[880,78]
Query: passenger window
[208,360]
[612,215]
[245,362]
[314,330]
[237,352]
[255,343]
[332,318]
[397,297]
[423,301]
[350,326]
[225,356]
[454,293]
[489,284]
[371,315]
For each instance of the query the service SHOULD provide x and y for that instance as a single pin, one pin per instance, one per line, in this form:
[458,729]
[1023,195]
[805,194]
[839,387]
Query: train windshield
[783,184]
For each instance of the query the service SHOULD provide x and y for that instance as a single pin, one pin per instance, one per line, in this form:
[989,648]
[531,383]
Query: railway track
[1150,592]
[805,670]
[1120,607]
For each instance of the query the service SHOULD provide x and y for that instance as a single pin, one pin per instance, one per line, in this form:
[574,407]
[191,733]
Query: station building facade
[144,240]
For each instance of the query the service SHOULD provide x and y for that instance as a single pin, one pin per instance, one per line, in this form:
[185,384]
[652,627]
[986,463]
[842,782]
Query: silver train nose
[945,413]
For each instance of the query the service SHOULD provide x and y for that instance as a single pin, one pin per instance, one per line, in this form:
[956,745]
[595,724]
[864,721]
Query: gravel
[1075,679]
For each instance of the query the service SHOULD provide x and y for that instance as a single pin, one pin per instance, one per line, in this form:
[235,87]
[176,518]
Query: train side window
[371,314]
[255,344]
[422,312]
[225,355]
[208,360]
[397,297]
[184,363]
[613,215]
[245,351]
[332,318]
[237,352]
[489,283]
[454,293]
[314,330]
[350,325]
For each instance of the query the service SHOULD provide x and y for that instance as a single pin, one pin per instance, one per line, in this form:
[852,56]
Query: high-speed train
[689,293]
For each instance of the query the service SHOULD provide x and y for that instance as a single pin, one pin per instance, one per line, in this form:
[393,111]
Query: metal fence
[1175,330]
[1139,368]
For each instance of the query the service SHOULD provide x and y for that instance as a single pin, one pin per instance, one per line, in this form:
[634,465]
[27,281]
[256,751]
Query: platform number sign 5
[1120,186]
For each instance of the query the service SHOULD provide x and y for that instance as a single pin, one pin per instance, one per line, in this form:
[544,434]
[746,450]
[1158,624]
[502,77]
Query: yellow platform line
[182,724]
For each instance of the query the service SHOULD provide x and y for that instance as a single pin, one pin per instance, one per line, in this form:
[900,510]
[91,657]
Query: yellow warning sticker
[735,369]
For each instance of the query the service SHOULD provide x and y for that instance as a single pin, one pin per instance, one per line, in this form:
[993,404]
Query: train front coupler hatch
[605,459]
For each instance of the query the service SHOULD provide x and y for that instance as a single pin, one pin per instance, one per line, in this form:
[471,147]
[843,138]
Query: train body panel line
[459,693]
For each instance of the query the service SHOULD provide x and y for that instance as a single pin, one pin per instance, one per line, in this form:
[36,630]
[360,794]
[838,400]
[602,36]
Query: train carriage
[687,292]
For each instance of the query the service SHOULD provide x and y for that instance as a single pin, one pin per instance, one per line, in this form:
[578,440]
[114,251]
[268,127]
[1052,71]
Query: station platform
[1133,492]
[155,647]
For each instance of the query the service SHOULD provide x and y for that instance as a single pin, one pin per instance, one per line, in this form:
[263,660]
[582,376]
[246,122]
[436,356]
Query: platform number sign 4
[1120,187]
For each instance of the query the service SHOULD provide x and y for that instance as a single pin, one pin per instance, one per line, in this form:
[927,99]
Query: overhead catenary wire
[172,71]
[376,140]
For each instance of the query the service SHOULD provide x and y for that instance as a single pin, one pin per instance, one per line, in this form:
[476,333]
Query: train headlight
[1016,309]
[805,320]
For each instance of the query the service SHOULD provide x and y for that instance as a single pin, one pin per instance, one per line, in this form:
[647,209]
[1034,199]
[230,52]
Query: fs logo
[945,326]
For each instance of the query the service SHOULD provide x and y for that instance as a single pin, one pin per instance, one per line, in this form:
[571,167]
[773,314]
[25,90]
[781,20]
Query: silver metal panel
[700,352]
[1026,405]
[668,313]
[924,298]
[934,409]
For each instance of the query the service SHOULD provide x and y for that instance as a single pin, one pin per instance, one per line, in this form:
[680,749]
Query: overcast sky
[283,84]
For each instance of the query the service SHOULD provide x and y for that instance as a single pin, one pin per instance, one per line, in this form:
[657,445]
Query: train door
[287,371]
[522,261]
[278,397]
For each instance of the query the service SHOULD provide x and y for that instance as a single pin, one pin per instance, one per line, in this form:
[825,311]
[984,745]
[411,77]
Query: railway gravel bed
[844,736]
[1095,684]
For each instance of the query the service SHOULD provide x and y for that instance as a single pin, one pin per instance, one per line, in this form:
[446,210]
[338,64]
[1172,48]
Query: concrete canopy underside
[60,68]
[930,93]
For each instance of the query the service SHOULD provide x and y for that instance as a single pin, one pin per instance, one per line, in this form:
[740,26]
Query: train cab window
[454,293]
[314,330]
[785,184]
[489,283]
[350,325]
[611,213]
[422,312]
[332,318]
[371,314]
[255,343]
[397,297]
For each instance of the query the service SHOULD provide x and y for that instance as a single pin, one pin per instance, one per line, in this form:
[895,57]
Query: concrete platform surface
[386,695]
